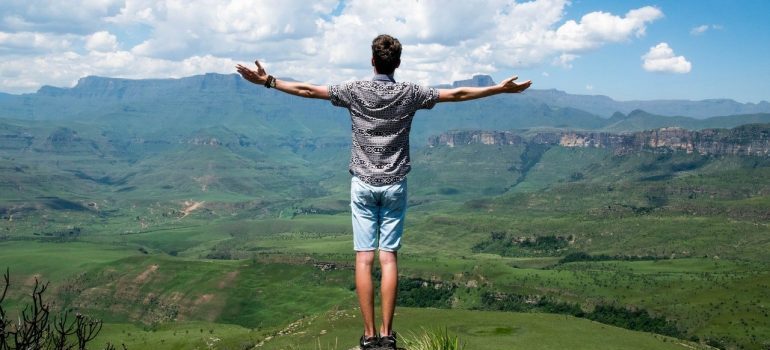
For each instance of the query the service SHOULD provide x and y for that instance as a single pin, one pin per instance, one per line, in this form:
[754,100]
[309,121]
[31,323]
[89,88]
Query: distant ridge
[150,106]
[599,105]
[605,106]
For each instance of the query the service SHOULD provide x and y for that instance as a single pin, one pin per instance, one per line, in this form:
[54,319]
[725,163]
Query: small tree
[37,329]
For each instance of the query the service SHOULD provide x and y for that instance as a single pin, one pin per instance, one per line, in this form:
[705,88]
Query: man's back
[381,114]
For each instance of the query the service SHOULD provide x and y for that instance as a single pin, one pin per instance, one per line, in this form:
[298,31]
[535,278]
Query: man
[381,112]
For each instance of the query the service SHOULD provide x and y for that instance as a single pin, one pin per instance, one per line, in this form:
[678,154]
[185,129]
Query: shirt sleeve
[339,95]
[425,97]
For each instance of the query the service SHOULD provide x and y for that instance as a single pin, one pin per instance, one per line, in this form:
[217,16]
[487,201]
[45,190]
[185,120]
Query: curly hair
[386,51]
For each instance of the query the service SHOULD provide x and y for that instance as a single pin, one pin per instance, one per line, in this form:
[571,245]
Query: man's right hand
[511,86]
[508,86]
[258,76]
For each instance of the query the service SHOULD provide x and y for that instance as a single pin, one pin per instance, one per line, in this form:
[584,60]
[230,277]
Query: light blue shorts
[378,215]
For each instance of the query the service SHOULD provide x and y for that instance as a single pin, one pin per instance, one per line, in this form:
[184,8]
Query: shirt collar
[384,77]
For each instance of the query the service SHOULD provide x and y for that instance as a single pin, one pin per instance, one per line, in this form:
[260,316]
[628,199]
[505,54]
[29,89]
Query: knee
[365,258]
[388,258]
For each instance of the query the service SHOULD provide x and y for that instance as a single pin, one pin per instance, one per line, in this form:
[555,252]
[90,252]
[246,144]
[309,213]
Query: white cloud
[35,43]
[101,41]
[565,60]
[65,69]
[506,34]
[699,29]
[661,58]
[184,28]
[443,40]
[55,16]
[704,28]
[599,28]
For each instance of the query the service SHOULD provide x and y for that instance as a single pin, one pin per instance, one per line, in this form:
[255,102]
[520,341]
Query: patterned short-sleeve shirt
[381,112]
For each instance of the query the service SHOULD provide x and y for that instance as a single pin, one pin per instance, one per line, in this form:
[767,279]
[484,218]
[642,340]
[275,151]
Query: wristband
[270,82]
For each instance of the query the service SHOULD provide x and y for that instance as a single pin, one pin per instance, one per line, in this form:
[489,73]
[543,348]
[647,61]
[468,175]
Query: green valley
[219,218]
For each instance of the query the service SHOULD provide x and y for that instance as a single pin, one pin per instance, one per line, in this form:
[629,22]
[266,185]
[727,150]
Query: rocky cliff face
[744,140]
[454,138]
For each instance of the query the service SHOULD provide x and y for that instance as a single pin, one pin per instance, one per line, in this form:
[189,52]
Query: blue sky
[729,59]
[675,49]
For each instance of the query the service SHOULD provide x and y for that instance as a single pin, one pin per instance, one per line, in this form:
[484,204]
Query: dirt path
[190,206]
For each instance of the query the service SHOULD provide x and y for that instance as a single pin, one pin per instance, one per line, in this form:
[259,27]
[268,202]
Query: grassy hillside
[178,238]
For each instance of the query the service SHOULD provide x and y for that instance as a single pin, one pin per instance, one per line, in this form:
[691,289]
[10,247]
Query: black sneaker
[388,341]
[368,342]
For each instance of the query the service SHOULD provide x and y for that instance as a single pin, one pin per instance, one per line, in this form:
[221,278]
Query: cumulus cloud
[598,28]
[661,58]
[101,41]
[321,41]
[184,28]
[505,34]
[55,16]
[65,69]
[35,43]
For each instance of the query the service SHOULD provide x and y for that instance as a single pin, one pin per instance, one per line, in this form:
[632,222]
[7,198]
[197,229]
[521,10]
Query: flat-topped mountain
[95,97]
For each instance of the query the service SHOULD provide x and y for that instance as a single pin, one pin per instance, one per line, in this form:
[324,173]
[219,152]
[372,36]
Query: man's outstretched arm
[260,76]
[509,86]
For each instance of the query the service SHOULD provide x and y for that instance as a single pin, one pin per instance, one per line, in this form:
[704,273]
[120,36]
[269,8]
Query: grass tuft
[433,339]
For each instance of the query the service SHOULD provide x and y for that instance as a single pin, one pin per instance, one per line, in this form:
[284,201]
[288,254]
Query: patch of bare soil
[146,274]
[190,206]
[227,280]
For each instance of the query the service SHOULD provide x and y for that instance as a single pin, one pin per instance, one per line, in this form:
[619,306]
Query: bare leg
[388,288]
[364,262]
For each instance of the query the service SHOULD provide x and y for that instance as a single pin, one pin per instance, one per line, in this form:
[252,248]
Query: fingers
[246,73]
[260,70]
[513,87]
[243,70]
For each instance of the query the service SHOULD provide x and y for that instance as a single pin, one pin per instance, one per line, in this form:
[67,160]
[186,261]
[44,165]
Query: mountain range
[174,108]
[605,106]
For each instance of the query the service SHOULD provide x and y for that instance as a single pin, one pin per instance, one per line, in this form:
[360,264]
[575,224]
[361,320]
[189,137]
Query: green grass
[178,336]
[480,330]
[158,289]
[55,262]
[438,339]
[280,211]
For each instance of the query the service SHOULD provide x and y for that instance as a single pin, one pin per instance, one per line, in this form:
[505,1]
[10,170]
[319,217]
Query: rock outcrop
[744,140]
